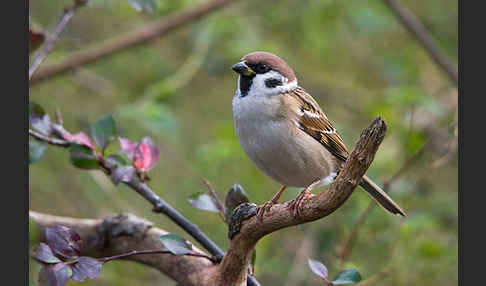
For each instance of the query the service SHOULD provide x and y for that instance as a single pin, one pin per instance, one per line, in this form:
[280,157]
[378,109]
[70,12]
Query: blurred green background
[353,56]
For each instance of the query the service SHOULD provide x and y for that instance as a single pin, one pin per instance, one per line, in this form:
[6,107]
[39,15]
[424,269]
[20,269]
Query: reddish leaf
[35,40]
[55,275]
[146,155]
[44,254]
[64,241]
[127,147]
[80,138]
[86,267]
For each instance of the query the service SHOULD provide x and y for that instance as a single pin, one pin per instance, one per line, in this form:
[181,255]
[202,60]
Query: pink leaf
[146,155]
[127,147]
[82,139]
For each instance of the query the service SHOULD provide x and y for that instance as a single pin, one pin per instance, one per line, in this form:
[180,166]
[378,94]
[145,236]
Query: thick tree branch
[417,29]
[131,39]
[246,230]
[68,13]
[124,233]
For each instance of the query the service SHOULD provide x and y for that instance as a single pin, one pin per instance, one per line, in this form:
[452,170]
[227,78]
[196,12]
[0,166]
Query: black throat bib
[245,84]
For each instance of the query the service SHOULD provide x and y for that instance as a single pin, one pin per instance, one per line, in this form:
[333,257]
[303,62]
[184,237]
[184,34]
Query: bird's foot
[268,205]
[296,205]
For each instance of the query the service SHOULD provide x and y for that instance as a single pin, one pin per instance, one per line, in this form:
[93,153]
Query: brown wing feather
[315,123]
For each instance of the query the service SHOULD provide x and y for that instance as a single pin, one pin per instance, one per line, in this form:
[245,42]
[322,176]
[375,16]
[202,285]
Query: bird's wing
[315,123]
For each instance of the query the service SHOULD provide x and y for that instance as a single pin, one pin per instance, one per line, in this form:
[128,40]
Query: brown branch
[217,200]
[115,235]
[159,204]
[245,230]
[68,13]
[417,29]
[150,32]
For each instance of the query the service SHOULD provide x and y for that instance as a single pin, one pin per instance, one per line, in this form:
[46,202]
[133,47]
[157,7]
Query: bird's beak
[243,69]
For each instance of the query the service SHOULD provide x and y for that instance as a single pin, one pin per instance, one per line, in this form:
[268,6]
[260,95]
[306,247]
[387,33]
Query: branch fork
[245,230]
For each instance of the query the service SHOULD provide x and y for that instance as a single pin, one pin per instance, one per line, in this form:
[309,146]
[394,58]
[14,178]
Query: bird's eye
[262,68]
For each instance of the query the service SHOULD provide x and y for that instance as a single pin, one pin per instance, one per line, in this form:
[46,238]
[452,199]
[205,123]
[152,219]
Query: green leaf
[143,5]
[117,160]
[236,196]
[176,244]
[203,202]
[36,150]
[83,157]
[348,276]
[104,130]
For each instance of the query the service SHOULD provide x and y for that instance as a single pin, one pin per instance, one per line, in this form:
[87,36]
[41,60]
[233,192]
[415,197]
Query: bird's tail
[380,196]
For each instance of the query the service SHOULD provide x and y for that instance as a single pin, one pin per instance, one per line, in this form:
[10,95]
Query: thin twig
[131,39]
[152,251]
[48,140]
[219,203]
[68,13]
[416,28]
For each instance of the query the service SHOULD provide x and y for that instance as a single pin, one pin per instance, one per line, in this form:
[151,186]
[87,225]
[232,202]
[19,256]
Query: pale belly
[291,160]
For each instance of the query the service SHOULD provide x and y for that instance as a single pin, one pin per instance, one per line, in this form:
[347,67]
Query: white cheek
[258,87]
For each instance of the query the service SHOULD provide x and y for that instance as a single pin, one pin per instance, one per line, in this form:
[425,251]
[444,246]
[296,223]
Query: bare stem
[47,47]
[152,251]
[48,140]
[219,203]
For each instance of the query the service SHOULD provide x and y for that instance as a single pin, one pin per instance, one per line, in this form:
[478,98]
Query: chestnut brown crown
[273,61]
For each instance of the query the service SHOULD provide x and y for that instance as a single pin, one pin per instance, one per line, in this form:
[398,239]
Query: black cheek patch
[272,82]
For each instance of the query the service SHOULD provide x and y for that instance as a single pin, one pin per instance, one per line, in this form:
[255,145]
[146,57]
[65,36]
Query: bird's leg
[268,205]
[296,205]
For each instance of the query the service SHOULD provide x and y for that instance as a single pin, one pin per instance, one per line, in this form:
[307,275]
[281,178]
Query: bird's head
[263,74]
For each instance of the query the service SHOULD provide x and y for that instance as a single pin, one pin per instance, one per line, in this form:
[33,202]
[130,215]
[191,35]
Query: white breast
[280,150]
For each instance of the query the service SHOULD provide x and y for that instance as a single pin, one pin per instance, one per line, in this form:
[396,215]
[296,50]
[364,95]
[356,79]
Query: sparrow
[286,134]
